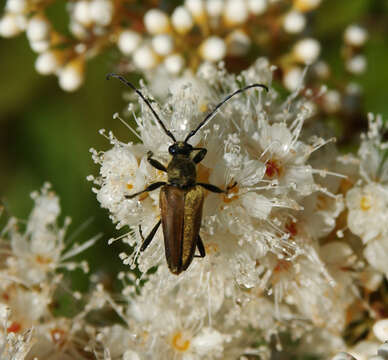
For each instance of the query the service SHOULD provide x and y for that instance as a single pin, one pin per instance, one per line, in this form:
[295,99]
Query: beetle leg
[150,187]
[150,236]
[201,248]
[216,189]
[200,155]
[155,163]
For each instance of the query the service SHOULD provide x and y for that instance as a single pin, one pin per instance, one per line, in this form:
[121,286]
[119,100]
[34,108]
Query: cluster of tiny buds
[147,37]
[165,42]
[355,38]
[55,55]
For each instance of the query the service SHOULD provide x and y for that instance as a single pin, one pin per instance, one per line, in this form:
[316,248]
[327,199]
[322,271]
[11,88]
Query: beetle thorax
[182,171]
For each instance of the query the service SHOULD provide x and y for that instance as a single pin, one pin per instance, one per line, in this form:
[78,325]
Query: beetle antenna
[126,82]
[209,116]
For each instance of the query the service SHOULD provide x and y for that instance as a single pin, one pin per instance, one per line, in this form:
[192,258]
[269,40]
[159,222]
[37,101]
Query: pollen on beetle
[180,342]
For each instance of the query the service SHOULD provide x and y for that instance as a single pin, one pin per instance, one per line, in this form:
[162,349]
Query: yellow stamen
[234,191]
[42,260]
[179,343]
[365,203]
[211,248]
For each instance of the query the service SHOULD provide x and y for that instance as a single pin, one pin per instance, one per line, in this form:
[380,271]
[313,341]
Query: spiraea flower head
[40,250]
[13,346]
[367,200]
[32,252]
[261,239]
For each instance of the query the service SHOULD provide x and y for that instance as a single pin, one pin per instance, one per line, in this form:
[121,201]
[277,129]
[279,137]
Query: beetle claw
[230,187]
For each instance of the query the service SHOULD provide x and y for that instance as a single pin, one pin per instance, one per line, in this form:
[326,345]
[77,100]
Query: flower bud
[81,12]
[9,25]
[16,6]
[238,43]
[40,46]
[72,75]
[101,12]
[181,20]
[214,8]
[145,58]
[257,7]
[380,329]
[355,35]
[306,5]
[331,101]
[38,29]
[174,63]
[235,12]
[128,41]
[307,50]
[47,63]
[213,49]
[293,78]
[163,44]
[294,22]
[196,7]
[156,22]
[357,64]
[78,30]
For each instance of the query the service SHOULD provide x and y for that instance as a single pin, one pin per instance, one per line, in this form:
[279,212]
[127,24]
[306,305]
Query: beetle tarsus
[201,248]
[155,163]
[150,187]
[200,155]
[229,187]
[212,188]
[150,236]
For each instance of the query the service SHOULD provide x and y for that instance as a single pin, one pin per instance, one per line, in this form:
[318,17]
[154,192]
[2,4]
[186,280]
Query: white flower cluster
[28,282]
[367,200]
[273,262]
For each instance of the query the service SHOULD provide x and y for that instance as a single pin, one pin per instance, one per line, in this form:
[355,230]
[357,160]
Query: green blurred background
[46,133]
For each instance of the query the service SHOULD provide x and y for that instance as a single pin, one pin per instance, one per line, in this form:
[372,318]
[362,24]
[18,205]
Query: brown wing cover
[192,223]
[181,212]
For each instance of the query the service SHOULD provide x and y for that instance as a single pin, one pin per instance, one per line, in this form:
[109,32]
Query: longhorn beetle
[181,197]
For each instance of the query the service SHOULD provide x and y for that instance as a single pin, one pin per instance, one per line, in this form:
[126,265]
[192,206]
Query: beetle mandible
[181,197]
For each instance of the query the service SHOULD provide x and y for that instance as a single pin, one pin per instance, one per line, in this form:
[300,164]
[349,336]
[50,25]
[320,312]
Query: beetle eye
[172,150]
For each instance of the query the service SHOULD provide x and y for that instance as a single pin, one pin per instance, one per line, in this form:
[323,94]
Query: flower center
[365,203]
[58,336]
[211,248]
[14,327]
[273,168]
[42,260]
[228,198]
[291,228]
[282,265]
[180,343]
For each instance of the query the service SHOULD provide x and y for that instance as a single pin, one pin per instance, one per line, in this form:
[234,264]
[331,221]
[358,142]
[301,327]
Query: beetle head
[181,148]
